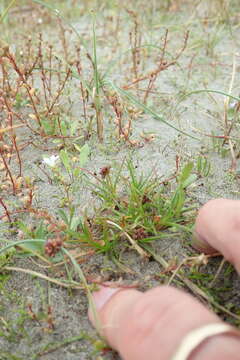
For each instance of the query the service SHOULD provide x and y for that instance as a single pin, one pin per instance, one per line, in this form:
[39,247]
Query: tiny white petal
[51,161]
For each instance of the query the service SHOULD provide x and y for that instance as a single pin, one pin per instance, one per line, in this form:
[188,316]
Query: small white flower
[232,105]
[51,161]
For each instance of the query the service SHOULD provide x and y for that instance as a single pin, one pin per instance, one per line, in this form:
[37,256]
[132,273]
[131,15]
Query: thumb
[148,325]
[113,305]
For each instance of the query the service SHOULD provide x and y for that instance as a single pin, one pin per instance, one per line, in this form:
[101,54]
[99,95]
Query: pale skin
[151,325]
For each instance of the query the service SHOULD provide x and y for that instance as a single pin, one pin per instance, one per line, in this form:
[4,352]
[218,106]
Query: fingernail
[103,295]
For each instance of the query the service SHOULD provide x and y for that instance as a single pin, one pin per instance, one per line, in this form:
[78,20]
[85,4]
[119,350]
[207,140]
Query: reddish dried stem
[10,118]
[6,210]
[8,171]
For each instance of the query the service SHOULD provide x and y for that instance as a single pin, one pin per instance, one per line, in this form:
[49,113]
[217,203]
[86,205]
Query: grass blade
[5,12]
[58,14]
[145,108]
[210,91]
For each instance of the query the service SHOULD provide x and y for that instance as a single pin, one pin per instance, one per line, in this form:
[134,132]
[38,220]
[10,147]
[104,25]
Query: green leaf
[64,128]
[23,227]
[33,247]
[25,242]
[47,126]
[75,222]
[185,172]
[73,127]
[65,159]
[63,216]
[84,154]
[40,231]
[76,172]
[180,199]
[177,202]
[190,180]
[77,147]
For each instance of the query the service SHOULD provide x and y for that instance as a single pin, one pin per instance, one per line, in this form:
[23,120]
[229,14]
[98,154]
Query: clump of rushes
[138,208]
[134,208]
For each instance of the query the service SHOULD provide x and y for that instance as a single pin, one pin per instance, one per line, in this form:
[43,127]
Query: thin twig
[132,242]
[44,277]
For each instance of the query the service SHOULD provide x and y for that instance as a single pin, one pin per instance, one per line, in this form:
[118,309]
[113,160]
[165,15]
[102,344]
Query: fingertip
[100,298]
[112,306]
[201,244]
[104,294]
[217,228]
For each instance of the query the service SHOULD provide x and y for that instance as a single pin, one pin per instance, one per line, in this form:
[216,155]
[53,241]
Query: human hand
[152,325]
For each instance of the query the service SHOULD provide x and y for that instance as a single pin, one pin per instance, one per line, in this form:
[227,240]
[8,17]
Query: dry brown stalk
[13,135]
[7,214]
[162,66]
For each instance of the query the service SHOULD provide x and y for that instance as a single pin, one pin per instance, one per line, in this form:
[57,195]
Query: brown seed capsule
[105,171]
